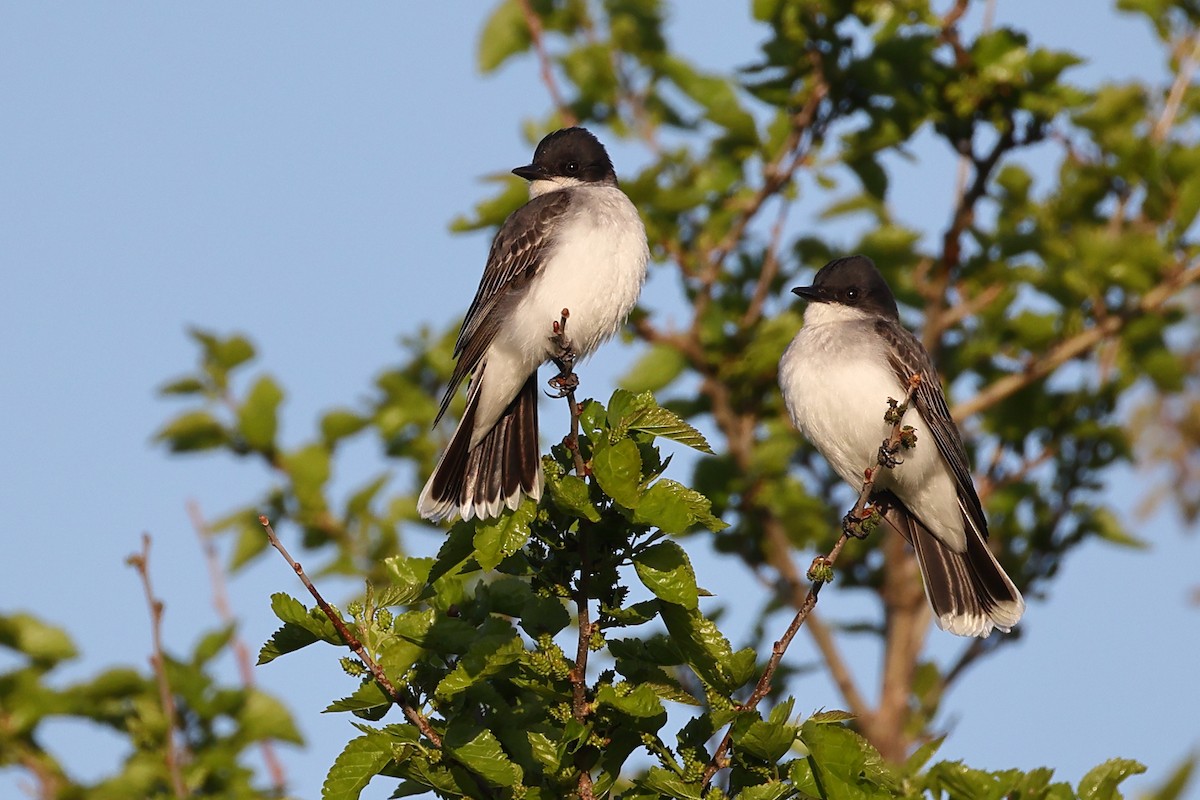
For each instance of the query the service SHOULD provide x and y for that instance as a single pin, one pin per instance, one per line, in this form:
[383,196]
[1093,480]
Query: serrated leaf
[641,412]
[667,784]
[674,508]
[845,764]
[570,493]
[704,648]
[640,702]
[479,750]
[454,552]
[368,695]
[497,539]
[768,741]
[409,576]
[352,770]
[665,570]
[488,656]
[618,469]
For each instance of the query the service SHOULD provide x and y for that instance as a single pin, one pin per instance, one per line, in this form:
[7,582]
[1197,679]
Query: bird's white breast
[596,270]
[836,382]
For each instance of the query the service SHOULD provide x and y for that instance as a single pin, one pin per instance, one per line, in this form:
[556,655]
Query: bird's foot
[564,355]
[859,523]
[887,454]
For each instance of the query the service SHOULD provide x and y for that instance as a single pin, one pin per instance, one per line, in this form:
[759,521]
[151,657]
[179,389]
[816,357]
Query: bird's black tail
[969,592]
[496,473]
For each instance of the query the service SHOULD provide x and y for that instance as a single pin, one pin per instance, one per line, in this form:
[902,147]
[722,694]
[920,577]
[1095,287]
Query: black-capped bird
[850,356]
[577,244]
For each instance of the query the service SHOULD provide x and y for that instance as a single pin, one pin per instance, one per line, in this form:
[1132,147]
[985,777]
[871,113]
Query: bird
[851,354]
[578,244]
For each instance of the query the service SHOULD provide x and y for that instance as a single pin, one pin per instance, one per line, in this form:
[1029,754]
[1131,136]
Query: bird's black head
[854,282]
[571,153]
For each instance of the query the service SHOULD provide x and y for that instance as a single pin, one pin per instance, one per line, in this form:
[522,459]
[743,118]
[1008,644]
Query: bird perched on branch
[578,244]
[850,356]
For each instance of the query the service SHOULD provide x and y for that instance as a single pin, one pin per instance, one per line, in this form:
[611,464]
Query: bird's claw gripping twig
[887,453]
[566,381]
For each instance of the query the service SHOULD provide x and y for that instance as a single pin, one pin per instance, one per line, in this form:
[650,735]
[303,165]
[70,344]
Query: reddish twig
[820,573]
[410,711]
[534,23]
[241,653]
[174,754]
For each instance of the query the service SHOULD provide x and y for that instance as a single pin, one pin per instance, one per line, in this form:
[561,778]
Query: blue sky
[290,172]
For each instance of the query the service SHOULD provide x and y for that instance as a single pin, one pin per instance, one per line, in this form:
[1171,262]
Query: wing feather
[908,357]
[517,254]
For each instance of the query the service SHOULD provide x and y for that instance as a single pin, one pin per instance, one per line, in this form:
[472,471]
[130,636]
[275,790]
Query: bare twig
[410,711]
[174,754]
[1183,79]
[821,571]
[241,653]
[565,382]
[536,35]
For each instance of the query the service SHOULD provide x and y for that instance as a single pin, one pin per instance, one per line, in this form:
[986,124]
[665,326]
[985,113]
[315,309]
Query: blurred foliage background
[1057,302]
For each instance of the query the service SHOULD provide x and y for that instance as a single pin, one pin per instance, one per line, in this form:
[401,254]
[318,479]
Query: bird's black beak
[815,294]
[531,172]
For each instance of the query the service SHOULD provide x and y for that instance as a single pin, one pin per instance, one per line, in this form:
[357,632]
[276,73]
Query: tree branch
[174,754]
[1077,345]
[534,22]
[410,711]
[241,653]
[858,523]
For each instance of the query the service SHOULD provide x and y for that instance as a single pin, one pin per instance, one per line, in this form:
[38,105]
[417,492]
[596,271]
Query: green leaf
[618,469]
[640,702]
[640,412]
[340,423]
[265,717]
[41,642]
[479,750]
[366,697]
[1101,782]
[674,508]
[845,764]
[258,415]
[716,96]
[654,370]
[489,656]
[705,649]
[499,538]
[504,35]
[570,493]
[182,386]
[211,644]
[359,761]
[668,784]
[665,570]
[195,430]
[409,576]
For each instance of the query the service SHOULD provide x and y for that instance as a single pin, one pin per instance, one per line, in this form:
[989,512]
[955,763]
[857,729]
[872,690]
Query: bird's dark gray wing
[908,357]
[517,254]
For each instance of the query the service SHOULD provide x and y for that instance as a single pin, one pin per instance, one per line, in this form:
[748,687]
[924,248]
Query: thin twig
[821,572]
[566,382]
[241,653]
[410,711]
[534,22]
[1183,79]
[174,754]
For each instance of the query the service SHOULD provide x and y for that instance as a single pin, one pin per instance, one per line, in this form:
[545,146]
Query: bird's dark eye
[572,167]
[852,295]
